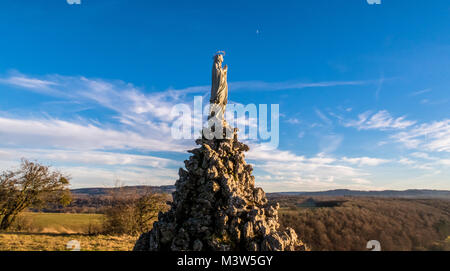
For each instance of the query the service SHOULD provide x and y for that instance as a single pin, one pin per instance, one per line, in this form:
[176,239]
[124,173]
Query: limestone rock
[217,208]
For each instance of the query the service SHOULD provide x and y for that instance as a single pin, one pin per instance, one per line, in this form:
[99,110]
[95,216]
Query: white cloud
[285,171]
[419,92]
[293,121]
[84,176]
[260,152]
[421,155]
[323,117]
[433,136]
[416,164]
[445,162]
[309,175]
[361,181]
[433,102]
[274,86]
[63,134]
[381,120]
[330,143]
[86,157]
[96,168]
[406,161]
[26,82]
[365,161]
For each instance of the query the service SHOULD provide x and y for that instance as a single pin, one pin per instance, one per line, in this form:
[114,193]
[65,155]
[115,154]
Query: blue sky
[363,89]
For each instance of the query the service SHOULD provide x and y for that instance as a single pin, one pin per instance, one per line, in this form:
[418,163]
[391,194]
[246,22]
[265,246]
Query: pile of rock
[216,207]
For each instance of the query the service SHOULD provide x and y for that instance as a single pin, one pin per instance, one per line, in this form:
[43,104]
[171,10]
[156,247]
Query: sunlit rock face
[216,207]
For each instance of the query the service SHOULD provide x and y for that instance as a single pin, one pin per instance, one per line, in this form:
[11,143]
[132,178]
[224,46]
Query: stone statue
[219,86]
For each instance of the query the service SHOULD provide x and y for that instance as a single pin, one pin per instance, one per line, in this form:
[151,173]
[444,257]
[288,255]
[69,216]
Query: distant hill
[411,193]
[139,189]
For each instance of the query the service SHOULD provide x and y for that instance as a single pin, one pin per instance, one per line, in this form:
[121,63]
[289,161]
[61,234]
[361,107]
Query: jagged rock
[198,245]
[217,208]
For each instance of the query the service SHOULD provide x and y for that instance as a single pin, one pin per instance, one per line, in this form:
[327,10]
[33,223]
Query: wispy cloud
[53,133]
[85,176]
[381,120]
[420,92]
[417,164]
[97,168]
[312,174]
[285,171]
[268,86]
[87,157]
[380,86]
[293,121]
[274,86]
[433,102]
[260,152]
[26,82]
[365,161]
[330,142]
[433,136]
[323,117]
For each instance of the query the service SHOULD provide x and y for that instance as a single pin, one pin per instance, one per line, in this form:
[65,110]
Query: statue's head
[218,57]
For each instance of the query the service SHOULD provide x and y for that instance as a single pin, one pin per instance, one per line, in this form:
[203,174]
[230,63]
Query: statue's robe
[219,86]
[219,90]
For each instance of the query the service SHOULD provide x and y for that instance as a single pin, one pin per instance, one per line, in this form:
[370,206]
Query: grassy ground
[58,242]
[52,232]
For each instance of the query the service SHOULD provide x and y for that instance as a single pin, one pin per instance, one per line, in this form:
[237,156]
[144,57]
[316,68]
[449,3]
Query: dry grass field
[52,231]
[58,242]
[60,222]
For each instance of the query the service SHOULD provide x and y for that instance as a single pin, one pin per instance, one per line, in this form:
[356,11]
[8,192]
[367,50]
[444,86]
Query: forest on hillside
[398,224]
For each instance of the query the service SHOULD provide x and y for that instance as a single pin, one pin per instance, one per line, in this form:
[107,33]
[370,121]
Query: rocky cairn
[216,207]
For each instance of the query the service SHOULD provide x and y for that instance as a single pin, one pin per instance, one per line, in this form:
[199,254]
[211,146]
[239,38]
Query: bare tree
[32,184]
[133,212]
[146,210]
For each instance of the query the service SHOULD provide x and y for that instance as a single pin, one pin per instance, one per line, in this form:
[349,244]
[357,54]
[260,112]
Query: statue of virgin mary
[219,86]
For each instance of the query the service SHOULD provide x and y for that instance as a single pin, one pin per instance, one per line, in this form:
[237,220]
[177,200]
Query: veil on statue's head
[218,54]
